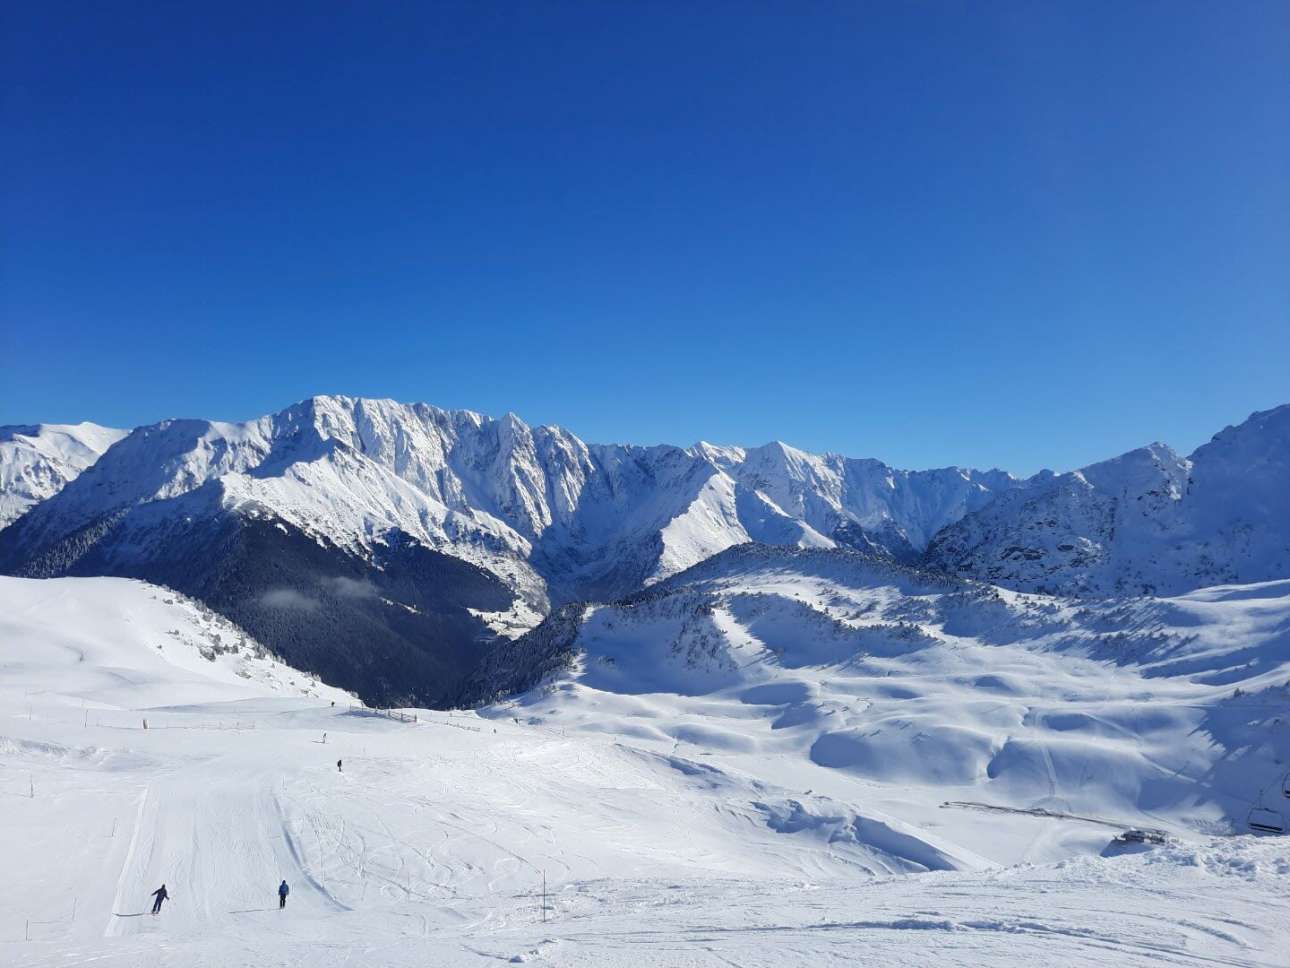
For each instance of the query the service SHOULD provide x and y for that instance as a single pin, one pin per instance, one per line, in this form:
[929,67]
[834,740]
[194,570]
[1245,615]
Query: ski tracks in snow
[220,843]
[123,897]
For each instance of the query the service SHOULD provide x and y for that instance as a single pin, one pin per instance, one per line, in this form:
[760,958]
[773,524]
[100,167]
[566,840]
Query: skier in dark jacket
[283,891]
[160,895]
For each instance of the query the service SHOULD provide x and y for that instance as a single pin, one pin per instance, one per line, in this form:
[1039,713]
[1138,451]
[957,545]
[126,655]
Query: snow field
[1170,713]
[695,828]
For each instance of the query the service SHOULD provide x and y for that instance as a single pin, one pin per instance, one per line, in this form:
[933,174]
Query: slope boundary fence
[398,715]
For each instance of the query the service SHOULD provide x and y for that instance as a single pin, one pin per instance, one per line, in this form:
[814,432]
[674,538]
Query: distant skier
[283,891]
[324,739]
[160,895]
[338,769]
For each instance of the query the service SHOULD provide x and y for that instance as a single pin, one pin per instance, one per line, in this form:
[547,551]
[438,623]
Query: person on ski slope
[160,895]
[283,891]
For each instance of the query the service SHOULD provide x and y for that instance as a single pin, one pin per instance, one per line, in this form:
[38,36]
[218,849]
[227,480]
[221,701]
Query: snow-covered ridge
[121,643]
[558,519]
[1146,522]
[535,505]
[36,462]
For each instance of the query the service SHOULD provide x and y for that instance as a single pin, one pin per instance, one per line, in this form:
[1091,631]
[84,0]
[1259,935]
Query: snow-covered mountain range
[552,516]
[324,522]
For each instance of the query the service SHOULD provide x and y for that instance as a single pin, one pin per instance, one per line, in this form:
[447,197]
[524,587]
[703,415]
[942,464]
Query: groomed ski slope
[683,847]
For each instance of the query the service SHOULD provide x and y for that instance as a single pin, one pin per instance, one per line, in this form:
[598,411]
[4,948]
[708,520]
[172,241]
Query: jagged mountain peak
[1146,521]
[720,455]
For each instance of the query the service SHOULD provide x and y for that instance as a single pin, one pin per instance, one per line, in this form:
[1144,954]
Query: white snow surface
[1171,713]
[117,643]
[36,462]
[746,768]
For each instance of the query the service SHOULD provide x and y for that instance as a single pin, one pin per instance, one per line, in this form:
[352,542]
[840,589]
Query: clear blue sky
[1017,234]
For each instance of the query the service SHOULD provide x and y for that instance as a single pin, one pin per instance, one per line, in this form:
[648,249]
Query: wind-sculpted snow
[1149,710]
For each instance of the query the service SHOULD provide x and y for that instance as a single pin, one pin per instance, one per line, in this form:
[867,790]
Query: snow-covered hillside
[37,462]
[694,825]
[1146,522]
[102,644]
[921,688]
